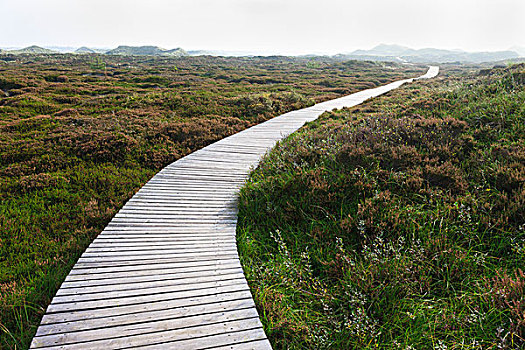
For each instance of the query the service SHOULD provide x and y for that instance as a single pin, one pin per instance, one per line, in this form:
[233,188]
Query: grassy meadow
[80,134]
[396,224]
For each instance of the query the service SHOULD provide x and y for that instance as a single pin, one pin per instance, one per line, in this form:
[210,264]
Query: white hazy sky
[272,26]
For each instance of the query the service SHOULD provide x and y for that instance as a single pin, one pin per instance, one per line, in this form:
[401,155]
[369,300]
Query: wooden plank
[176,212]
[209,203]
[109,241]
[173,232]
[186,187]
[159,224]
[191,337]
[159,248]
[178,198]
[166,177]
[176,220]
[153,258]
[179,318]
[91,263]
[158,252]
[133,287]
[199,193]
[182,224]
[211,159]
[215,229]
[205,165]
[175,216]
[209,229]
[200,207]
[148,275]
[88,272]
[239,155]
[178,314]
[227,173]
[193,202]
[234,179]
[238,145]
[142,244]
[187,255]
[255,153]
[182,202]
[185,195]
[177,298]
[190,186]
[146,307]
[187,224]
[178,237]
[144,210]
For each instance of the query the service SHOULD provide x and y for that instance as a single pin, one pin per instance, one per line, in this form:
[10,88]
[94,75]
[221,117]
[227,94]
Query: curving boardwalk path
[164,273]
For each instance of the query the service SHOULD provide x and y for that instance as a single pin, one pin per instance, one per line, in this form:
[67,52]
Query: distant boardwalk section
[164,273]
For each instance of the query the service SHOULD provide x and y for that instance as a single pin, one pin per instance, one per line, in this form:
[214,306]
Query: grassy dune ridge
[79,135]
[396,224]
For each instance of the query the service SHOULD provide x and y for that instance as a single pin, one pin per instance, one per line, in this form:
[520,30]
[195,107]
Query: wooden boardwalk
[164,273]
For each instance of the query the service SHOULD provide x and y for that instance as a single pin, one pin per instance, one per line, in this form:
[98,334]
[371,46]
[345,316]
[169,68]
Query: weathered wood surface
[165,273]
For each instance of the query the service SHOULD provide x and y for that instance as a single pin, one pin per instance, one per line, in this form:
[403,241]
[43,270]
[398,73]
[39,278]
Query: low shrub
[395,224]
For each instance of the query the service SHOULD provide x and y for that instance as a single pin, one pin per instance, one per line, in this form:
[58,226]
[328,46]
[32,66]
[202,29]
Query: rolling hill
[385,52]
[30,50]
[84,49]
[146,51]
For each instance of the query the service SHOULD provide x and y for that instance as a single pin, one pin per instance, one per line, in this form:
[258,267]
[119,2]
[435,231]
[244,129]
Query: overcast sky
[271,26]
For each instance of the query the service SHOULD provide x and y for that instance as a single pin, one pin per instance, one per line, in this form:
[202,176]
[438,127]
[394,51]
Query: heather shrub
[395,224]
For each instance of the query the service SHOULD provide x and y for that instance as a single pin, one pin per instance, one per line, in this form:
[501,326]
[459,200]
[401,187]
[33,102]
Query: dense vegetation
[79,134]
[397,224]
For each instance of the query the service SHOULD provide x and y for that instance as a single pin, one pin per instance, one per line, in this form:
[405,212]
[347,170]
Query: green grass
[397,224]
[79,135]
